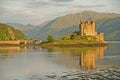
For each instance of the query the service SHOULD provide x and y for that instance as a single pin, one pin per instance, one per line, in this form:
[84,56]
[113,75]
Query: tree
[50,38]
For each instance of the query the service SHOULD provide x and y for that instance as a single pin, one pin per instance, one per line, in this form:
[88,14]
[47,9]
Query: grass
[73,43]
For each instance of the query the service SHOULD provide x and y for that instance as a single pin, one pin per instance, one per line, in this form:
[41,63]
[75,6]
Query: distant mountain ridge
[73,19]
[21,26]
[109,23]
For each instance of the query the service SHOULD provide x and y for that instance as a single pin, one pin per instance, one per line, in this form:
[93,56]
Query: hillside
[111,28]
[105,22]
[9,33]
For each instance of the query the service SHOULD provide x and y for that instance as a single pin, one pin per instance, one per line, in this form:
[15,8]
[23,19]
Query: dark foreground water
[73,63]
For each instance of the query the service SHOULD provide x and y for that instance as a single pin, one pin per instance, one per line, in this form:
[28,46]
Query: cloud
[37,11]
[88,5]
[34,4]
[62,0]
[115,3]
[49,3]
[75,8]
[4,11]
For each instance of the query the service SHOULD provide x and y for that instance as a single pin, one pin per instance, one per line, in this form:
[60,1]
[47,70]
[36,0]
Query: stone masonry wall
[87,28]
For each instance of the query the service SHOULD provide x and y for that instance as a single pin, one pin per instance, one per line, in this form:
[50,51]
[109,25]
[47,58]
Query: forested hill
[9,33]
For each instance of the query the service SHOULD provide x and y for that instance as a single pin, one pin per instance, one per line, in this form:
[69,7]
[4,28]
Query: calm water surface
[34,63]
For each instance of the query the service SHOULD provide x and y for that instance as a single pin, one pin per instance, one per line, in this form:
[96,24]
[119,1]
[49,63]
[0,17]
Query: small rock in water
[51,76]
[15,79]
[35,78]
[63,78]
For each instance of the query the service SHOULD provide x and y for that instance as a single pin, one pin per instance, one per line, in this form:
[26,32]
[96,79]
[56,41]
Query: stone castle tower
[88,28]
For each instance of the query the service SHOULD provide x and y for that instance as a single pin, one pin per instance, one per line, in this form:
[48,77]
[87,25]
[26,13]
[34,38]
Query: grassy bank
[74,43]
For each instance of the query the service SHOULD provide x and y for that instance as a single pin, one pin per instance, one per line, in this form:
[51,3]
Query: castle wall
[100,36]
[14,42]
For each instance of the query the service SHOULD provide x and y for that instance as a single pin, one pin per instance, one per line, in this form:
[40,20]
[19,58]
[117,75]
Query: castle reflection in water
[70,57]
[84,57]
[88,57]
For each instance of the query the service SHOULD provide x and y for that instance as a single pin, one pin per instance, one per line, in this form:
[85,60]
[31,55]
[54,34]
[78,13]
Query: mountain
[111,28]
[109,23]
[9,33]
[21,26]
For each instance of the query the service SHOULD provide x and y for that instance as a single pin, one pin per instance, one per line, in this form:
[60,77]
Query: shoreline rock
[107,73]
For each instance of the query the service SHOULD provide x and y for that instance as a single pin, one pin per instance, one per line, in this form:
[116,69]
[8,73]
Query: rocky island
[87,36]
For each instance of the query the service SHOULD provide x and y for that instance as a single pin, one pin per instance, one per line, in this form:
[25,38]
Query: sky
[38,11]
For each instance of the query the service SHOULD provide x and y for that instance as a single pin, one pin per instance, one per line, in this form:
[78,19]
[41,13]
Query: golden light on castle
[87,28]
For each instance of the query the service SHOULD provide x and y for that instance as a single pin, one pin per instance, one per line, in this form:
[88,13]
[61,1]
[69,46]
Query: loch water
[36,63]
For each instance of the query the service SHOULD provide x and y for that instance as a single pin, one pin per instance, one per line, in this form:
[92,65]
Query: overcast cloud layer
[38,11]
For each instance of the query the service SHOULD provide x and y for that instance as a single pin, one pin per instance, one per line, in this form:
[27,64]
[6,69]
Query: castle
[87,28]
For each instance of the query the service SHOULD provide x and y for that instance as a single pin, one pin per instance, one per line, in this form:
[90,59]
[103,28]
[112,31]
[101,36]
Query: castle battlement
[87,22]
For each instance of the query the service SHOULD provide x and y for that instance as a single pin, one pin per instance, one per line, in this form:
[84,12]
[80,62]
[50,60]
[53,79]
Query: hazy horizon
[37,11]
